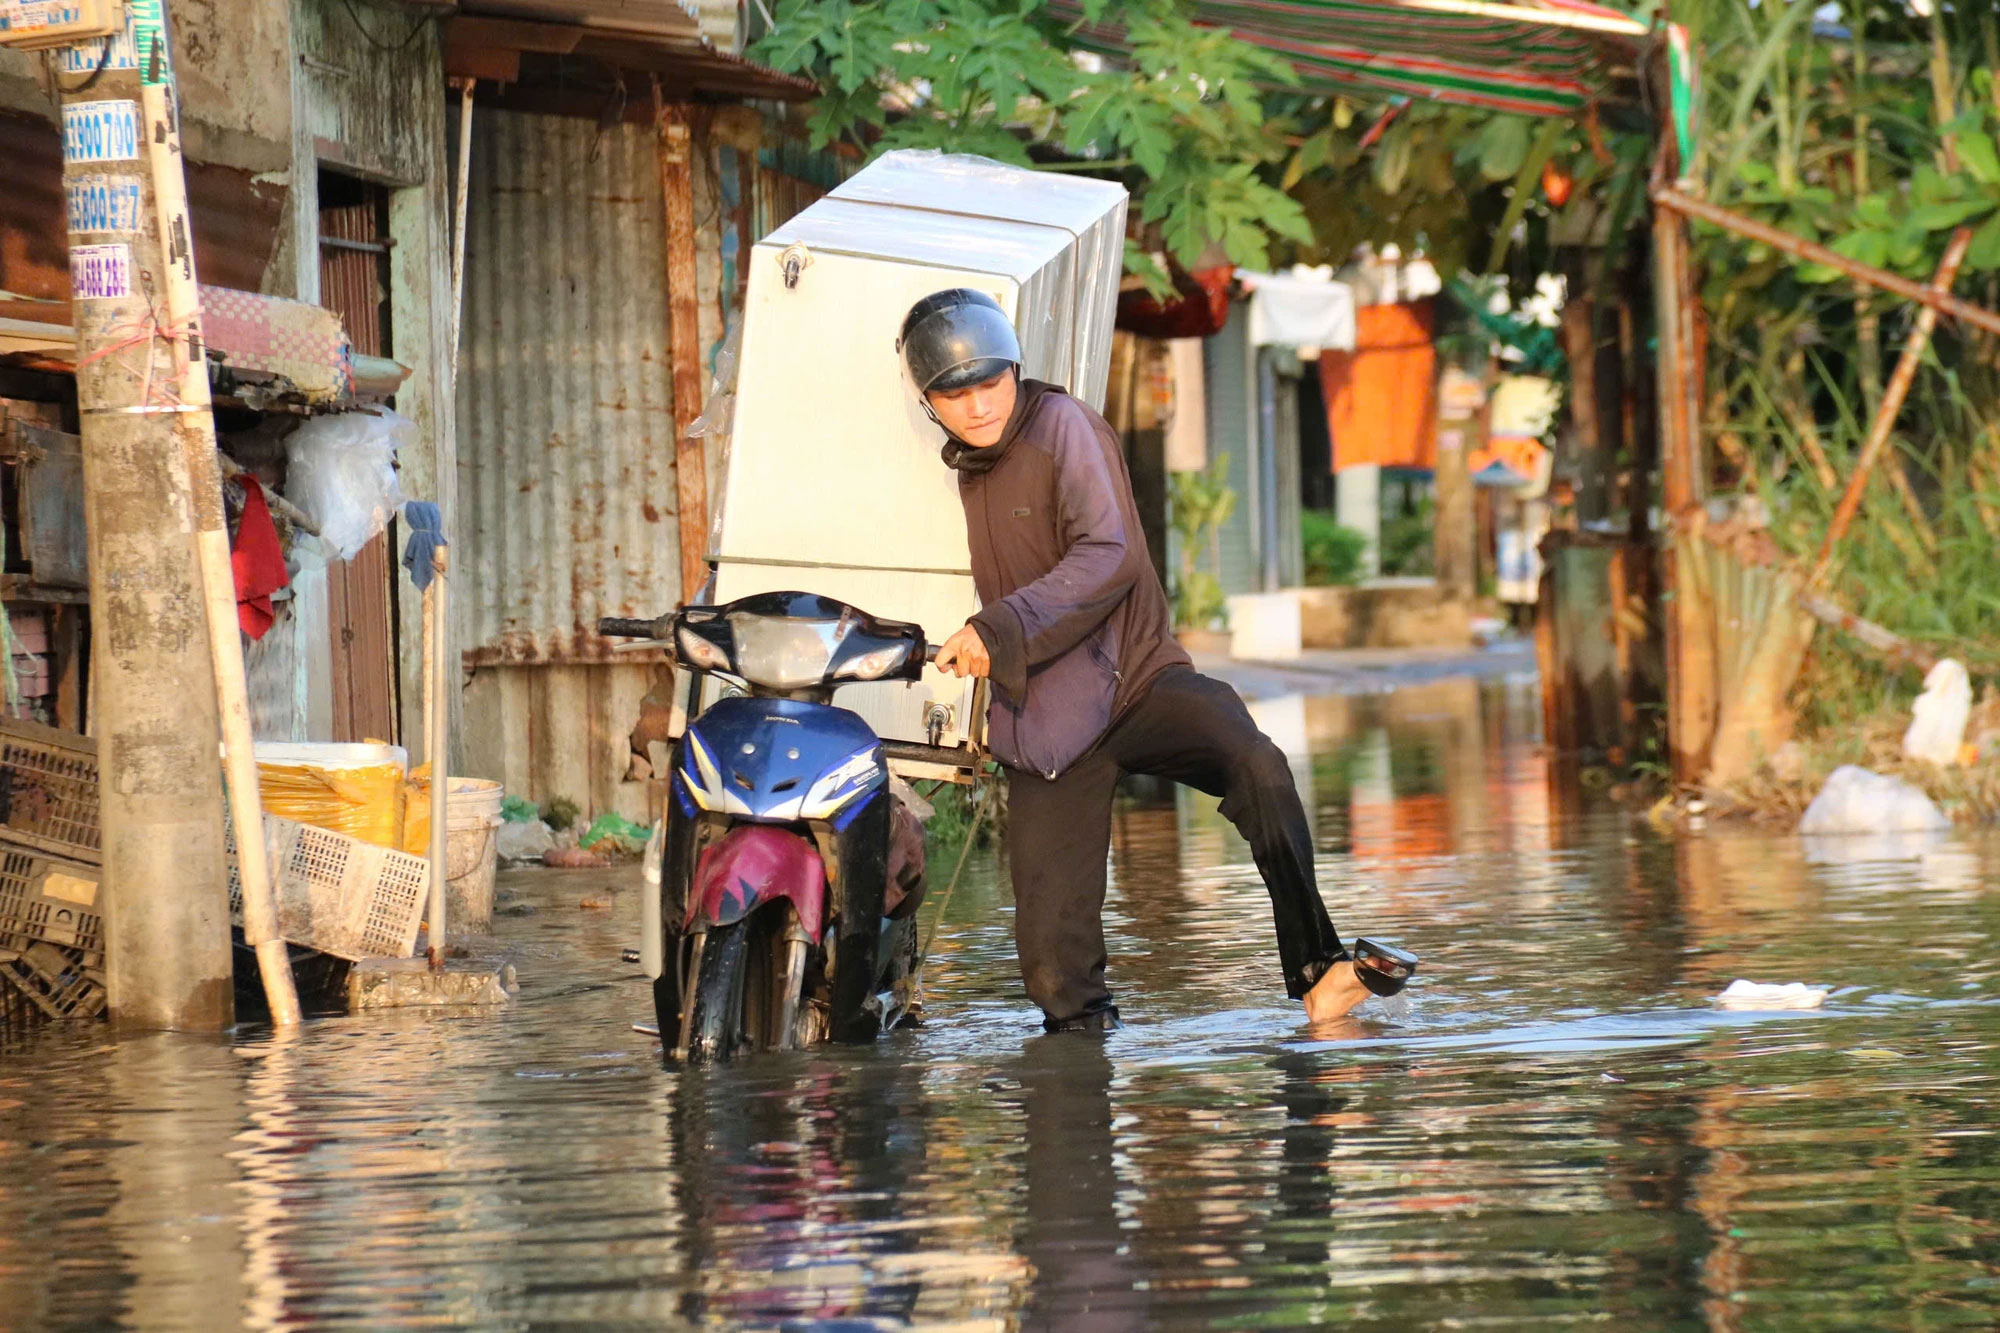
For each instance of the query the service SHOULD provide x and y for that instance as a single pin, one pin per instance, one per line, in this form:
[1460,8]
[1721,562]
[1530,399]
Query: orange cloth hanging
[1381,398]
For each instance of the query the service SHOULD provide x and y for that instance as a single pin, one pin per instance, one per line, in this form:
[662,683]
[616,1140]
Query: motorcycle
[789,873]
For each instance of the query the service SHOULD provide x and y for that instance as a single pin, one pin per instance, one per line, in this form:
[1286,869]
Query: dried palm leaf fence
[1740,616]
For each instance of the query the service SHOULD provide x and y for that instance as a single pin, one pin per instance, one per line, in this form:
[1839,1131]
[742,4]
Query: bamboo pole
[1778,239]
[1892,403]
[1886,643]
[218,580]
[437,670]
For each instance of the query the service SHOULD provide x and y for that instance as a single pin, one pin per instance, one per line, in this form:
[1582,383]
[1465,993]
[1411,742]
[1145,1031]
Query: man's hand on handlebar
[964,654]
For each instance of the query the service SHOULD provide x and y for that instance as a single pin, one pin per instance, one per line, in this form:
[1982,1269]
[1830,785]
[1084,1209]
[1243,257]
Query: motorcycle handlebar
[625,628]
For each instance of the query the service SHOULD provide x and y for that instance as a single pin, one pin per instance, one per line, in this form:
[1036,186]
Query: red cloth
[258,561]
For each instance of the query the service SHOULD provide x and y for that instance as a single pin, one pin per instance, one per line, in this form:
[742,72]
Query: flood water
[1557,1128]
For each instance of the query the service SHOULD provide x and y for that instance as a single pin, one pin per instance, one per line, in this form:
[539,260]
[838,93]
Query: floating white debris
[1743,994]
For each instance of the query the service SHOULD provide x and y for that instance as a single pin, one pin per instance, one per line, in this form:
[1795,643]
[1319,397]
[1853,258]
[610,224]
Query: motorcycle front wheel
[748,989]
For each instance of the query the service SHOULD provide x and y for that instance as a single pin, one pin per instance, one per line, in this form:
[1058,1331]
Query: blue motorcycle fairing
[779,761]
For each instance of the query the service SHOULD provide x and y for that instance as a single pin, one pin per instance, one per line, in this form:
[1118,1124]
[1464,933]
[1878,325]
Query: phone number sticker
[100,272]
[103,203]
[100,131]
[33,16]
[89,57]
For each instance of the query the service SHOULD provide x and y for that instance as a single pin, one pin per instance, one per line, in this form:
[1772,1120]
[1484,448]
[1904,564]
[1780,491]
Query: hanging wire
[422,21]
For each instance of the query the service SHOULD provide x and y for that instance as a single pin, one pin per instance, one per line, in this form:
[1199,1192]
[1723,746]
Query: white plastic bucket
[471,851]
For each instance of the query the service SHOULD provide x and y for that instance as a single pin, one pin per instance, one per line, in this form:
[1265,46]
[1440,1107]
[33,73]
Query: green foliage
[1333,553]
[560,813]
[1199,504]
[1409,541]
[1851,143]
[953,810]
[1181,119]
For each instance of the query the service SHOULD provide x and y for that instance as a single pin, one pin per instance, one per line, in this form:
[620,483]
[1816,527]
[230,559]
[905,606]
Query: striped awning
[1534,57]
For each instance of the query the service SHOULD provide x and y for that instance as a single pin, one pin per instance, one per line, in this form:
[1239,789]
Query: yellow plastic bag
[345,794]
[472,800]
[417,811]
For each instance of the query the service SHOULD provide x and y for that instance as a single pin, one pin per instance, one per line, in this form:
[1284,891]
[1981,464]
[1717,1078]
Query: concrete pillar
[158,729]
[1358,503]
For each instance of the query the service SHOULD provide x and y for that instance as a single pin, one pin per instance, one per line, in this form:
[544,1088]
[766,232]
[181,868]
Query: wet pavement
[1555,1128]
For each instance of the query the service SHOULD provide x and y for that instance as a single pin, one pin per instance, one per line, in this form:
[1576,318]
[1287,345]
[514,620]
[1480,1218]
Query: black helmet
[955,338]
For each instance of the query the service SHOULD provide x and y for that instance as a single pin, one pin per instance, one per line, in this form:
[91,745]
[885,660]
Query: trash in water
[1938,718]
[520,810]
[575,858]
[519,840]
[1855,800]
[623,834]
[1743,994]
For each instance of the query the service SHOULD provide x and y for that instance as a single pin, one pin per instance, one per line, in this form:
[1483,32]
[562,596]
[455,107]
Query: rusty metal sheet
[660,18]
[34,241]
[53,536]
[565,408]
[235,216]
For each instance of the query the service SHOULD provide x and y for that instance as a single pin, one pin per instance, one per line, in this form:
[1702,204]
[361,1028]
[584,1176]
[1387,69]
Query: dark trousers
[1195,731]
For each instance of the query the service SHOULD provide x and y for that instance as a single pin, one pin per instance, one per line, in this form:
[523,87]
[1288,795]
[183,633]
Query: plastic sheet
[341,472]
[352,789]
[1755,995]
[1938,718]
[1855,800]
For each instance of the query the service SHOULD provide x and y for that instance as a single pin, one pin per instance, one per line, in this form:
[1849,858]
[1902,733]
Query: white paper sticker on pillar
[87,58]
[103,203]
[101,131]
[100,272]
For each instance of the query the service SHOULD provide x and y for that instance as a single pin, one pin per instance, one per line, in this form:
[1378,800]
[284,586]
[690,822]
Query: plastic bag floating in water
[1743,994]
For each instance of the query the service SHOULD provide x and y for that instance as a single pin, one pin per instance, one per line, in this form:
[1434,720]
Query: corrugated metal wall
[566,437]
[566,449]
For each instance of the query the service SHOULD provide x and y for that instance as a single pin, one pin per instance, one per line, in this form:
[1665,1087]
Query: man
[1089,683]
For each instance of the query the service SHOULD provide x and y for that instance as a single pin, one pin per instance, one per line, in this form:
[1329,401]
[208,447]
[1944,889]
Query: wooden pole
[1892,403]
[218,581]
[1579,336]
[1691,703]
[684,336]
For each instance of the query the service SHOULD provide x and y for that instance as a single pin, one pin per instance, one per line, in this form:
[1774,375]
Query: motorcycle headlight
[700,653]
[875,665]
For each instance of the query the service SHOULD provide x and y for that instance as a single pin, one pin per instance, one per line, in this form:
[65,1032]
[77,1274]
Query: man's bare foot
[1335,994]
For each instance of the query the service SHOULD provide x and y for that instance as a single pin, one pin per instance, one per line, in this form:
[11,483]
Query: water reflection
[1558,1130]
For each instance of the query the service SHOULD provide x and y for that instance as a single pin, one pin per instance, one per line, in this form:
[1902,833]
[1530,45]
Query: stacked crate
[51,931]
